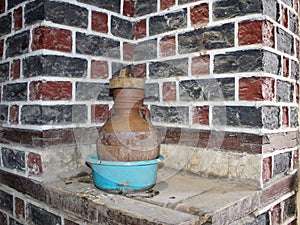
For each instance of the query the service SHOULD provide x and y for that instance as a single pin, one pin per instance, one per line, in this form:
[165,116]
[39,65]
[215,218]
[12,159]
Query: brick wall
[222,80]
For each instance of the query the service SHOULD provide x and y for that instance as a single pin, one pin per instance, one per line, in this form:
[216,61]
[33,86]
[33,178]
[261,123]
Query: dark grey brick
[207,89]
[270,8]
[6,201]
[290,207]
[39,216]
[232,8]
[294,22]
[14,222]
[58,114]
[116,67]
[121,28]
[17,44]
[294,70]
[145,50]
[285,91]
[262,219]
[167,22]
[3,218]
[237,116]
[271,63]
[13,3]
[86,91]
[98,46]
[13,159]
[4,72]
[281,163]
[284,42]
[294,117]
[144,7]
[57,12]
[53,65]
[3,113]
[206,39]
[15,92]
[165,114]
[111,5]
[271,117]
[5,22]
[152,92]
[240,61]
[181,2]
[169,68]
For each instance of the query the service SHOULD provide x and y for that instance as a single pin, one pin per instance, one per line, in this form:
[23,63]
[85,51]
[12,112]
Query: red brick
[15,69]
[201,115]
[99,69]
[140,30]
[200,65]
[296,5]
[199,15]
[164,4]
[140,70]
[296,159]
[167,46]
[19,208]
[14,114]
[34,163]
[169,91]
[256,88]
[99,113]
[128,8]
[18,18]
[285,116]
[1,49]
[100,22]
[267,169]
[276,215]
[52,38]
[256,32]
[284,16]
[285,67]
[2,6]
[50,90]
[128,51]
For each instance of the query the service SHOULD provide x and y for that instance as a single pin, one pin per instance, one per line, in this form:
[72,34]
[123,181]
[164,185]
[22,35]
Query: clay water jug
[128,134]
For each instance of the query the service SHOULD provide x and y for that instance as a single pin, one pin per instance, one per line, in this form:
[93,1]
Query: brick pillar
[222,85]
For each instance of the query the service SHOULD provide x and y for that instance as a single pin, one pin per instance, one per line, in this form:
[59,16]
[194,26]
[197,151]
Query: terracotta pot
[128,134]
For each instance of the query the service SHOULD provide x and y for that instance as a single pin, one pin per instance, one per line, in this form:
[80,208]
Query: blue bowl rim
[93,159]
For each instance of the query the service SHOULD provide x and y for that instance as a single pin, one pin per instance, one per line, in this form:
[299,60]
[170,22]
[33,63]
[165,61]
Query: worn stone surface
[15,92]
[144,7]
[281,163]
[169,68]
[239,61]
[6,25]
[279,141]
[284,42]
[230,9]
[57,114]
[152,92]
[54,66]
[3,113]
[270,8]
[294,22]
[271,63]
[271,117]
[17,44]
[285,91]
[121,27]
[98,46]
[14,3]
[165,114]
[207,89]
[237,116]
[37,215]
[145,50]
[294,70]
[6,201]
[168,22]
[294,116]
[92,91]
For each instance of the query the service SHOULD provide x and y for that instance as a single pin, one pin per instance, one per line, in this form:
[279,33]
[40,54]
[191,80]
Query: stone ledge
[180,199]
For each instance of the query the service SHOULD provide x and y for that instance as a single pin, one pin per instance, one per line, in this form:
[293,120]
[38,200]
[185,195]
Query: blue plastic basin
[115,176]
